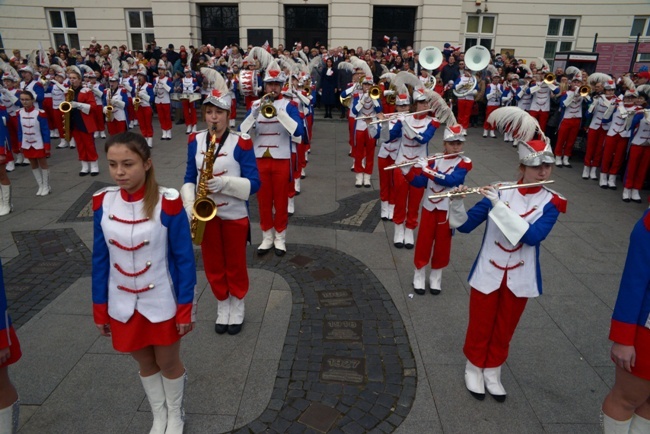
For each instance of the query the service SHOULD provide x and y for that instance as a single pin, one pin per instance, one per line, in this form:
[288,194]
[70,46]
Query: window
[480,30]
[640,25]
[560,36]
[63,27]
[306,24]
[140,28]
[220,25]
[643,57]
[393,21]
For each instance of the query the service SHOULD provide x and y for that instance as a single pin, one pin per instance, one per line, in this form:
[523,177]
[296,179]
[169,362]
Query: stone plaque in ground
[336,298]
[347,370]
[341,330]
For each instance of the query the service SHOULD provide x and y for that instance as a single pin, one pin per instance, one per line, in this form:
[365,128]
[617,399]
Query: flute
[392,116]
[476,190]
[429,158]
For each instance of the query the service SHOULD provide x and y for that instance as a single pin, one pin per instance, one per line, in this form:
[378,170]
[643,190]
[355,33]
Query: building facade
[527,29]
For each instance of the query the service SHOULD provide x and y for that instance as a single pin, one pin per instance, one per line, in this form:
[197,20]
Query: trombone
[429,158]
[477,190]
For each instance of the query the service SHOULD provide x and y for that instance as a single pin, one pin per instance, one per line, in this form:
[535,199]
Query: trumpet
[429,158]
[584,90]
[477,190]
[375,92]
[549,78]
[266,105]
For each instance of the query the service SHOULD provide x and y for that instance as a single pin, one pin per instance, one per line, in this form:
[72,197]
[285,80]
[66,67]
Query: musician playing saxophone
[234,178]
[144,113]
[119,100]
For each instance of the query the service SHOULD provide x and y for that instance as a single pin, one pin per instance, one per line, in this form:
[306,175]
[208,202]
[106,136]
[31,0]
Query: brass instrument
[346,102]
[549,78]
[204,208]
[267,109]
[584,90]
[109,106]
[375,92]
[136,100]
[465,88]
[66,107]
[477,190]
[391,98]
[429,158]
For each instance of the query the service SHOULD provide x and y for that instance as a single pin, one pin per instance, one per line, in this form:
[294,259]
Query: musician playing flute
[434,237]
[506,272]
[234,179]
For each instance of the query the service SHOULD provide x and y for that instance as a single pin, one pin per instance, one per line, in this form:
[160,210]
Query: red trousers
[295,172]
[613,154]
[364,147]
[145,119]
[164,115]
[594,152]
[130,111]
[224,257]
[493,319]
[407,201]
[98,115]
[116,127]
[85,146]
[310,126]
[351,123]
[638,162]
[273,194]
[489,109]
[434,240]
[189,111]
[465,111]
[12,128]
[302,157]
[566,136]
[57,117]
[233,109]
[49,111]
[542,118]
[249,100]
[386,190]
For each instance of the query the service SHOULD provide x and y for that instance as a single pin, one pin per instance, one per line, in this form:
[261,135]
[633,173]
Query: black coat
[328,84]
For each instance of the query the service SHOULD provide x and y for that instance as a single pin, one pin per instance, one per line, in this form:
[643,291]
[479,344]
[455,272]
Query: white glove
[492,194]
[105,110]
[534,88]
[188,195]
[144,95]
[85,108]
[422,163]
[215,184]
[116,101]
[255,109]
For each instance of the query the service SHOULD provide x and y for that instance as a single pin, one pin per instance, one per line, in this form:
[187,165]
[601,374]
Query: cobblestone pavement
[346,364]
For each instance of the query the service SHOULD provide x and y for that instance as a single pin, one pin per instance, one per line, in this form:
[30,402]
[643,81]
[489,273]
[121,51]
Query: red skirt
[641,368]
[14,348]
[138,332]
[33,153]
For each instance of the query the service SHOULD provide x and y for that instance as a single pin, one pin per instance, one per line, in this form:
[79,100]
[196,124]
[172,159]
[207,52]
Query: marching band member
[351,92]
[162,89]
[434,237]
[82,123]
[638,159]
[572,104]
[617,137]
[133,82]
[144,275]
[5,152]
[34,140]
[11,101]
[625,408]
[97,88]
[58,88]
[127,83]
[10,353]
[493,95]
[364,145]
[232,83]
[119,100]
[540,105]
[415,131]
[189,87]
[465,88]
[506,272]
[32,85]
[597,130]
[234,178]
[273,144]
[511,96]
[144,111]
[525,100]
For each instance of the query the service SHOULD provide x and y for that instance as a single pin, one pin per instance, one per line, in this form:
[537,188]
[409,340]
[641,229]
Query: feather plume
[598,77]
[384,68]
[406,78]
[288,63]
[32,61]
[388,76]
[215,80]
[85,68]
[629,84]
[125,65]
[261,55]
[492,70]
[130,60]
[439,106]
[523,126]
[315,63]
[57,69]
[571,71]
[189,59]
[644,88]
[7,68]
[347,66]
[525,68]
[303,56]
[544,64]
[361,64]
[42,55]
[115,61]
[73,69]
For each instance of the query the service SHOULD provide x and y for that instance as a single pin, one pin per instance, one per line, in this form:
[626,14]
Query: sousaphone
[430,59]
[477,58]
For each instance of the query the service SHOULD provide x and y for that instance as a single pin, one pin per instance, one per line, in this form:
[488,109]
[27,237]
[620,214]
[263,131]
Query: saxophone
[66,107]
[109,106]
[204,208]
[136,100]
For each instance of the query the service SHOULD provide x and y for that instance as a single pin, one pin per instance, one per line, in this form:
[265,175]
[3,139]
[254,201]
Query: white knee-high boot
[38,175]
[153,387]
[46,182]
[613,426]
[639,425]
[5,199]
[9,418]
[174,392]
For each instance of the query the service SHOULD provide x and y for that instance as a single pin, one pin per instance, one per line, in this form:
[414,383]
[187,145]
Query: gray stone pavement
[334,341]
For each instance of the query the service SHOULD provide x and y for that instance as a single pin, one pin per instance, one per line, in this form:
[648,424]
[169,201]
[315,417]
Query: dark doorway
[393,21]
[219,25]
[306,24]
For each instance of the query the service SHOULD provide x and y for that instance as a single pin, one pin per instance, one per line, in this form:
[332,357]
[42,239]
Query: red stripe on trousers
[224,257]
